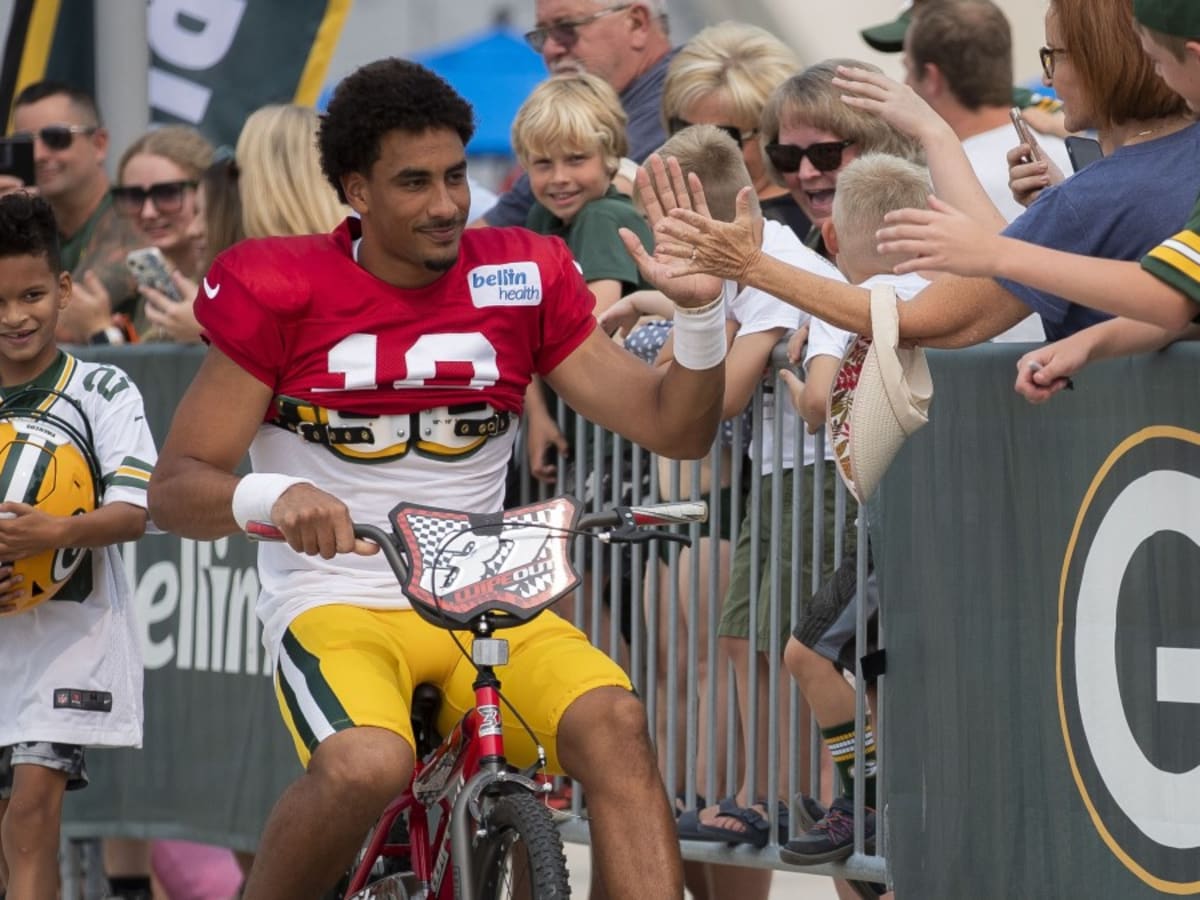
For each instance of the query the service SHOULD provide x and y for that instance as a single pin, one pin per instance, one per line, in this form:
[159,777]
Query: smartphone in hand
[149,269]
[16,159]
[1025,134]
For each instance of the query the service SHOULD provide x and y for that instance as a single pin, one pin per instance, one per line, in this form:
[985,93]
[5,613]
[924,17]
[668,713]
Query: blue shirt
[1119,207]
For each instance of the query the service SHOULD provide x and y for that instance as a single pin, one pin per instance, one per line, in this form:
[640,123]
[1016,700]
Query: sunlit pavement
[784,886]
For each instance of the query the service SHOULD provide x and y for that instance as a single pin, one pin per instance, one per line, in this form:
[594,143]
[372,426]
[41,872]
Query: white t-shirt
[827,340]
[988,153]
[756,311]
[83,641]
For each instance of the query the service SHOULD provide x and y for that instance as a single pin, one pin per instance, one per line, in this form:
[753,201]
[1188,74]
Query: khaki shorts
[736,612]
[345,666]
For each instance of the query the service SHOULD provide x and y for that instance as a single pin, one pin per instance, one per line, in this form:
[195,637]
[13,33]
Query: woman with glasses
[216,225]
[723,77]
[156,191]
[809,135]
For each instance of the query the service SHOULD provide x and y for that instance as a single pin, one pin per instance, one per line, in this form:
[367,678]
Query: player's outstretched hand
[317,523]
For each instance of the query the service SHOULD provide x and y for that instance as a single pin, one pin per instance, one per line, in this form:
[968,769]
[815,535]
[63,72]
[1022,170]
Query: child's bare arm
[744,367]
[31,531]
[821,372]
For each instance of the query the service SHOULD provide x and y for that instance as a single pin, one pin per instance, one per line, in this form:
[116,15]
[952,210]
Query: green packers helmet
[49,464]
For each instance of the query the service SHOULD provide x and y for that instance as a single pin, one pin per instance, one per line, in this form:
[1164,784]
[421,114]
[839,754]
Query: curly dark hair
[379,97]
[27,228]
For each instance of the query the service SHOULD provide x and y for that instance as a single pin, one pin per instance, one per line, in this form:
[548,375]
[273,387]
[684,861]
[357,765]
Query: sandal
[757,832]
[682,806]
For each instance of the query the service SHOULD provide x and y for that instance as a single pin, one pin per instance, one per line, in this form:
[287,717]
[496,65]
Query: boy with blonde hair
[824,639]
[757,322]
[569,135]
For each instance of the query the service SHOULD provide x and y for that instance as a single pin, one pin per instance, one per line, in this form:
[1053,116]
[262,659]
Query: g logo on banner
[1128,656]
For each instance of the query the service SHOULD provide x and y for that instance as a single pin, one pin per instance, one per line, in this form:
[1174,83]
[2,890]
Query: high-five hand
[662,190]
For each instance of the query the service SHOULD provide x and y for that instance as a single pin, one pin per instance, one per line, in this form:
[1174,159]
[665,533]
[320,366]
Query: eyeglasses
[167,196]
[565,33]
[56,137]
[1046,55]
[675,124]
[825,157]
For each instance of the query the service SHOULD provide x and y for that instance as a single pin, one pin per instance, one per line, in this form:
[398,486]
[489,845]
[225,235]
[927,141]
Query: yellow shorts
[343,666]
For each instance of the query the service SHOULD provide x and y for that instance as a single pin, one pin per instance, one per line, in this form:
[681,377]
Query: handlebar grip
[263,531]
[670,513]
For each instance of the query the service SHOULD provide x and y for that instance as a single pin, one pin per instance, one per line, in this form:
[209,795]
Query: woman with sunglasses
[1120,207]
[810,135]
[156,191]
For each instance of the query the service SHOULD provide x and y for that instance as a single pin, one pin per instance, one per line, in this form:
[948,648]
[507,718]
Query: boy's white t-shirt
[75,644]
[826,340]
[755,311]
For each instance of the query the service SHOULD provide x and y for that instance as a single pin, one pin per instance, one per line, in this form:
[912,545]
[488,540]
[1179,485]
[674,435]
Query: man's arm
[192,488]
[673,411]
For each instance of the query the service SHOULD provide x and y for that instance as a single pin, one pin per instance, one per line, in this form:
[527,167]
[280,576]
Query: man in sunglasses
[70,146]
[627,45]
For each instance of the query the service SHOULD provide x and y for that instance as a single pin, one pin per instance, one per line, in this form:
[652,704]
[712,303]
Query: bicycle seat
[426,703]
[462,565]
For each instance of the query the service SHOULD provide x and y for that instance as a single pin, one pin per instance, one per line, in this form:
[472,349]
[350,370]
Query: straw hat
[880,396]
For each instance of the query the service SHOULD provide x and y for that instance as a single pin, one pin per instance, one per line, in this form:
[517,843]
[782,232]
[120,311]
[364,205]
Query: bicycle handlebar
[627,519]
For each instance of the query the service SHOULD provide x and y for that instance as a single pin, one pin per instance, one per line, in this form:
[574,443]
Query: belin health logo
[514,284]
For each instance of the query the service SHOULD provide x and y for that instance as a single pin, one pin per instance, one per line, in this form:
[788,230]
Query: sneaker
[806,812]
[830,839]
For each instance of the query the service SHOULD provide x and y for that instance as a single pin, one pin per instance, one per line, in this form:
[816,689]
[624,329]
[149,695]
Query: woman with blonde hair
[282,187]
[723,77]
[156,189]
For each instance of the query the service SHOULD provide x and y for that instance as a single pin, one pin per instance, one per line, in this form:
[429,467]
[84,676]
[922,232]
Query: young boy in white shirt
[76,459]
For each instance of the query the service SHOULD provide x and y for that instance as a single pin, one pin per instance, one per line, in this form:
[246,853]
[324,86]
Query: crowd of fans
[805,187]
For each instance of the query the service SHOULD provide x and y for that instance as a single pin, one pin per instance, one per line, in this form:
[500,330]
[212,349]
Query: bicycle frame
[470,760]
[467,762]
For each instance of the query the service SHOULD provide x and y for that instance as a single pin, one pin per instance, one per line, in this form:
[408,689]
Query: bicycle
[467,811]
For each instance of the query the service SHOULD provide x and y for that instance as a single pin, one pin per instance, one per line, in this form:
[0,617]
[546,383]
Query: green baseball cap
[889,36]
[1180,18]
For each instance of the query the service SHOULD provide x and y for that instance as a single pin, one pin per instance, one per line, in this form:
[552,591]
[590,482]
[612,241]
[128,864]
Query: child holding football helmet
[75,460]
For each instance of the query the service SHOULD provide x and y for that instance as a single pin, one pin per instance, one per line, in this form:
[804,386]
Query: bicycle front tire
[522,853]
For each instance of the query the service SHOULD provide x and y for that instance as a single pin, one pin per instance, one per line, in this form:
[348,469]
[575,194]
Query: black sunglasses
[565,33]
[676,124]
[167,196]
[825,157]
[56,137]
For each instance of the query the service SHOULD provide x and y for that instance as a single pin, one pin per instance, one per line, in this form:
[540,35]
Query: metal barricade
[636,616]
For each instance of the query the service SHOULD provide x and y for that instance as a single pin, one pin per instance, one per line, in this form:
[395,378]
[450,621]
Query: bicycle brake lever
[631,534]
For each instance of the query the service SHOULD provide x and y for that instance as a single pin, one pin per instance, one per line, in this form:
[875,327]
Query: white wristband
[700,335]
[256,493]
